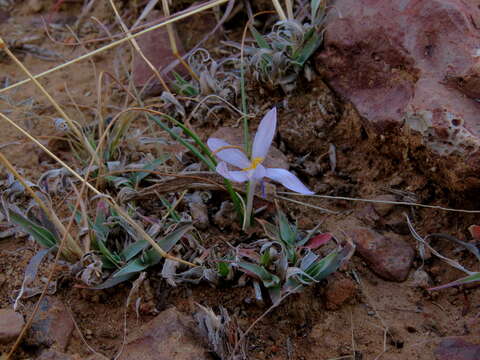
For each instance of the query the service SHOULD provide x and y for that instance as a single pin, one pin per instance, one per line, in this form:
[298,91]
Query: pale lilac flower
[252,169]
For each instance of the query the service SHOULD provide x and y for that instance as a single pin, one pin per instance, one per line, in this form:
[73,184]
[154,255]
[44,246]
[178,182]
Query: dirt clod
[339,290]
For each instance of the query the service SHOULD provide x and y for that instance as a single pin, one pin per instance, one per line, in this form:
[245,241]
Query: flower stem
[248,211]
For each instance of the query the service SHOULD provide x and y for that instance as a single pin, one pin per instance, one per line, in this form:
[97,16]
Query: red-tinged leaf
[250,254]
[475,231]
[318,240]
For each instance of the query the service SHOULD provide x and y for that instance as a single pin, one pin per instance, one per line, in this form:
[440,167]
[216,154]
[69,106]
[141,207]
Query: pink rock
[11,324]
[413,63]
[169,336]
[155,45]
[390,257]
[458,348]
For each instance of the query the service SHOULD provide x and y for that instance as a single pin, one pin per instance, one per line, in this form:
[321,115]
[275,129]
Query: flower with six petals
[252,169]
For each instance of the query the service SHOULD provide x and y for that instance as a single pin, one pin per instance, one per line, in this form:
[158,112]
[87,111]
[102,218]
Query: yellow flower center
[255,162]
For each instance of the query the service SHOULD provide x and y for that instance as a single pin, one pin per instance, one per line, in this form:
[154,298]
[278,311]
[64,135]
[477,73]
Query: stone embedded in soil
[52,326]
[11,324]
[169,336]
[458,348]
[390,257]
[338,291]
[383,209]
[155,45]
[411,77]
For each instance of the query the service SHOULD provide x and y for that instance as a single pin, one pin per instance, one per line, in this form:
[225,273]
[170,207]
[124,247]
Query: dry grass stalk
[184,15]
[107,198]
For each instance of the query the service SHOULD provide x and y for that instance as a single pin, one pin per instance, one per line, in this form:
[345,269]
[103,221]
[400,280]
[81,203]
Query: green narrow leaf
[314,5]
[462,281]
[167,243]
[139,176]
[307,50]
[192,148]
[39,233]
[326,266]
[183,86]
[259,39]
[287,231]
[223,269]
[112,281]
[133,267]
[268,279]
[210,160]
[172,212]
[118,180]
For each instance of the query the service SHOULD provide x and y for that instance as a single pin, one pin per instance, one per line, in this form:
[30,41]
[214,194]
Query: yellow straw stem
[73,126]
[137,48]
[73,250]
[279,9]
[107,198]
[207,6]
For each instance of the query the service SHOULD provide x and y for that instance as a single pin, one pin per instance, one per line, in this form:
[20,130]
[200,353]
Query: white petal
[264,136]
[287,179]
[234,157]
[236,176]
[259,173]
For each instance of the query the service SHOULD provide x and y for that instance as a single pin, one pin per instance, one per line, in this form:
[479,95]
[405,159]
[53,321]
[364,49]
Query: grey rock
[52,326]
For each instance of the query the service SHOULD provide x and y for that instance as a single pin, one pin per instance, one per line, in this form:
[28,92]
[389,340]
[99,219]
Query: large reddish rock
[411,68]
[169,336]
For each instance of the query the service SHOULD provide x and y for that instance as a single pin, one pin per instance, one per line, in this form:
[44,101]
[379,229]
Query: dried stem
[73,250]
[279,9]
[73,125]
[137,48]
[187,14]
[107,198]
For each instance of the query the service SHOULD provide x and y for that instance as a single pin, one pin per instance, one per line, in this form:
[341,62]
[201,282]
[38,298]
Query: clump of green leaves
[121,250]
[288,261]
[280,56]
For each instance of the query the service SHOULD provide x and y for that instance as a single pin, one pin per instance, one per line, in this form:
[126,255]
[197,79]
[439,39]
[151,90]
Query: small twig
[137,48]
[328,211]
[83,337]
[383,202]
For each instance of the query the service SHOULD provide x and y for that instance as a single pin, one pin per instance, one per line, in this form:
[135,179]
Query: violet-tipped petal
[287,179]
